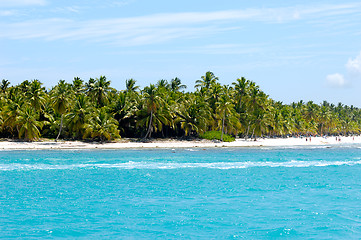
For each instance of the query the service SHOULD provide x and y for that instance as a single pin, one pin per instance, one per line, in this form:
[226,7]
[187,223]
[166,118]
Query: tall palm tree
[324,118]
[258,104]
[61,98]
[311,114]
[240,88]
[154,113]
[225,111]
[99,90]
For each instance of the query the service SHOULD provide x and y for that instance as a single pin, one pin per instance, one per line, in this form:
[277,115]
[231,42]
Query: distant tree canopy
[94,110]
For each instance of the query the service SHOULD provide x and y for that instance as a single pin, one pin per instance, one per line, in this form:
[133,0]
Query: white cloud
[20,3]
[159,28]
[353,66]
[336,80]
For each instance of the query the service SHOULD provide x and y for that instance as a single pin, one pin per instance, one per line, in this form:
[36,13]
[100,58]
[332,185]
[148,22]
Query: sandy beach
[170,143]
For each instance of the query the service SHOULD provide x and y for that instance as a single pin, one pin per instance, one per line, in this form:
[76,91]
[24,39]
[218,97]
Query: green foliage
[96,111]
[216,135]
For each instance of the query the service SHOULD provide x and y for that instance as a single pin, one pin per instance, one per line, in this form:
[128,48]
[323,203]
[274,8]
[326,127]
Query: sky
[294,50]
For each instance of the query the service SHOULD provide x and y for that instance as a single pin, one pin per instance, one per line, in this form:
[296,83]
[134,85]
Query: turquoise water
[228,193]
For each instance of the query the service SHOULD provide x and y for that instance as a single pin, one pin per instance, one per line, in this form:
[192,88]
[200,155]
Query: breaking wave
[173,165]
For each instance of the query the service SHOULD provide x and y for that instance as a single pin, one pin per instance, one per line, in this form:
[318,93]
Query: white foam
[173,165]
[192,150]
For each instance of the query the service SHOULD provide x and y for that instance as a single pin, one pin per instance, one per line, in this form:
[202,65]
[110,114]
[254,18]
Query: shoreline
[171,143]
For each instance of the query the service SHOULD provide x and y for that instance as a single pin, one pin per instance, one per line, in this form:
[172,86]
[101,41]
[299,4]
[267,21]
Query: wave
[172,165]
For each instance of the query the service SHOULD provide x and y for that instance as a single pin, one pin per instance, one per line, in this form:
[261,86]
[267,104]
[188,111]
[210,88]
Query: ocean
[213,193]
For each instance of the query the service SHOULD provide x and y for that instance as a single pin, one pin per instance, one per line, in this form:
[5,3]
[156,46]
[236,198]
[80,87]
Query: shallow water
[227,193]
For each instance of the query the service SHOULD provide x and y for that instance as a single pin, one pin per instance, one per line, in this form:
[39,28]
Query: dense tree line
[94,110]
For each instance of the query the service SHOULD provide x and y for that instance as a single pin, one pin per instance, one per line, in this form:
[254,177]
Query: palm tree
[4,85]
[176,85]
[154,113]
[311,115]
[77,115]
[130,85]
[60,98]
[225,111]
[89,86]
[78,85]
[193,114]
[10,112]
[324,118]
[259,117]
[24,86]
[36,95]
[240,87]
[29,126]
[124,107]
[277,121]
[162,83]
[99,90]
[101,125]
[206,82]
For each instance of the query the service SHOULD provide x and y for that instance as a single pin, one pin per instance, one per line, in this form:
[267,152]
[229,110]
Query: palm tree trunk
[249,124]
[253,134]
[223,126]
[149,132]
[17,129]
[240,103]
[61,127]
[321,129]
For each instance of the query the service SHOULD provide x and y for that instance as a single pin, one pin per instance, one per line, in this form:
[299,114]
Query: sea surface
[214,193]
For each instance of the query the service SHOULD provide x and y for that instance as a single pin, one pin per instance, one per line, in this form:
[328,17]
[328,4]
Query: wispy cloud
[160,28]
[7,13]
[121,3]
[69,9]
[72,9]
[21,3]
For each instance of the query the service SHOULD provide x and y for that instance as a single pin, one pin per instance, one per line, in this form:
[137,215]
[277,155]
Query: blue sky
[294,50]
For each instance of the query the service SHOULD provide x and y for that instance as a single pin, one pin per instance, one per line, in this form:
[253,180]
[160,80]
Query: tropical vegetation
[93,110]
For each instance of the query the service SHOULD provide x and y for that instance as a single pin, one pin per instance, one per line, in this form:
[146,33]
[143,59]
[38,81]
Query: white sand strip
[272,142]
